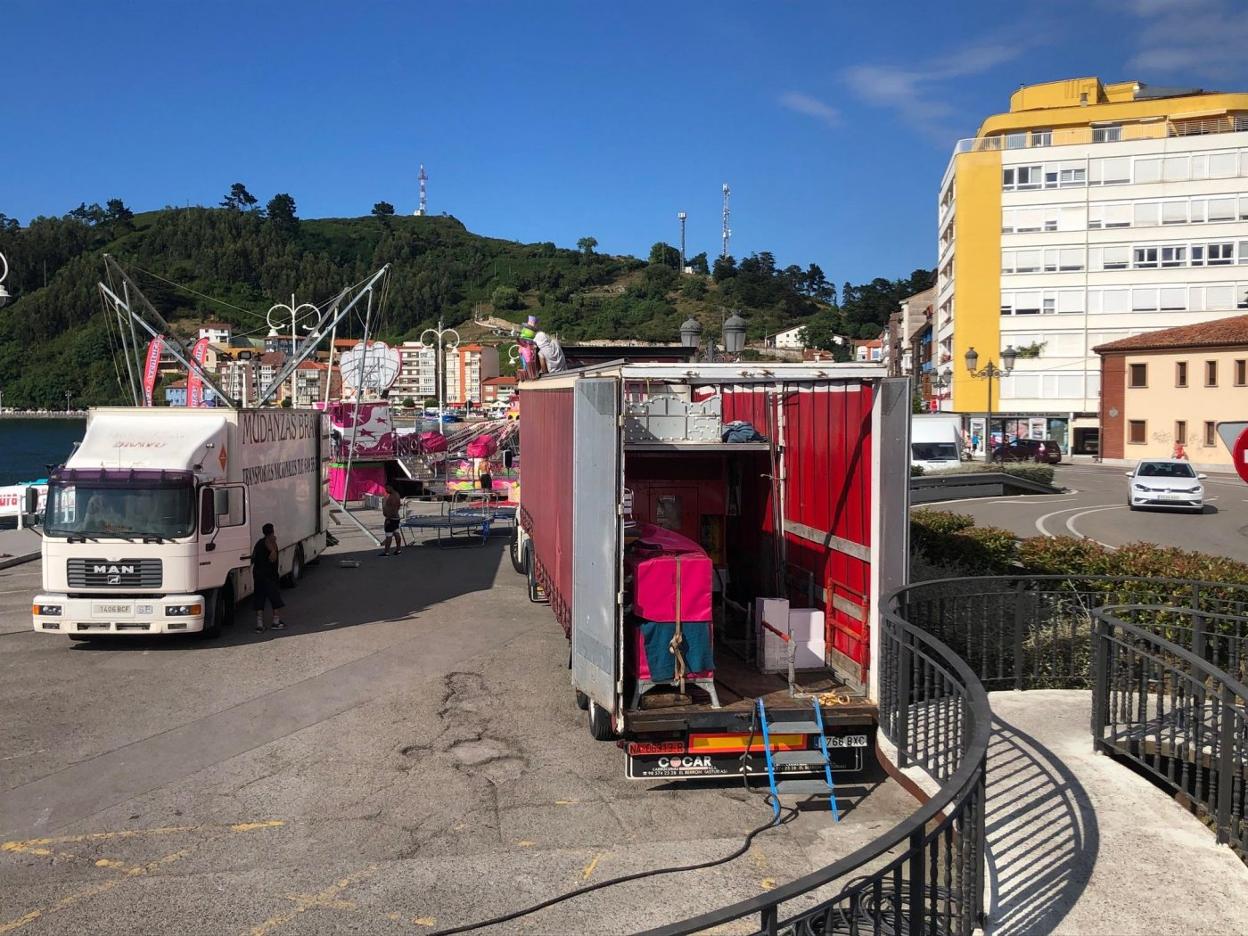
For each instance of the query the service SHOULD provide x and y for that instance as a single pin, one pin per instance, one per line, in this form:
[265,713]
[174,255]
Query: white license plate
[112,609]
[1176,497]
[853,740]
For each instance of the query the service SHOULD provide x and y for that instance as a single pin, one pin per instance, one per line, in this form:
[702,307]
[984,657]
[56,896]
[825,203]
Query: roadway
[1095,507]
[406,756]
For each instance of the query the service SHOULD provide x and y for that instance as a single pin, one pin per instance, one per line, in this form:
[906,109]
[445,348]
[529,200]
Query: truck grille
[128,573]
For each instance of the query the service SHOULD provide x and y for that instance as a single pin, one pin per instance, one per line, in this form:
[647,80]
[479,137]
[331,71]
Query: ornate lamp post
[300,316]
[4,271]
[992,372]
[733,337]
[438,340]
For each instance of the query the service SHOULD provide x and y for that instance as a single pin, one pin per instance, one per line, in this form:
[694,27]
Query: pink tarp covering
[372,432]
[483,446]
[432,442]
[654,561]
[365,479]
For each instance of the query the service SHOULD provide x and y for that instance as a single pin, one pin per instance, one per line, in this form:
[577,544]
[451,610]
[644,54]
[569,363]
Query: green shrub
[1041,474]
[917,471]
[953,539]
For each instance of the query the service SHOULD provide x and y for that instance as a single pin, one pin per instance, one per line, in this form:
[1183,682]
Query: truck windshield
[84,509]
[934,451]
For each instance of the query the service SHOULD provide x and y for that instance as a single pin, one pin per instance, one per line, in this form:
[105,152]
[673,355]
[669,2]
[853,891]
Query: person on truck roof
[550,359]
[265,577]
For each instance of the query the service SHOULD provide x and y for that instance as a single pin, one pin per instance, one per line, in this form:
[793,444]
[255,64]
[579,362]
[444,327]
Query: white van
[936,442]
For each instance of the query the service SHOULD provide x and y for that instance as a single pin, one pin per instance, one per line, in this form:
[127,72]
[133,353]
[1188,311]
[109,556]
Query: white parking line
[1070,523]
[1040,527]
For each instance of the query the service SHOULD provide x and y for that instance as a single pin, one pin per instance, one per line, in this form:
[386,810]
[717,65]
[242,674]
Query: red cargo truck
[802,524]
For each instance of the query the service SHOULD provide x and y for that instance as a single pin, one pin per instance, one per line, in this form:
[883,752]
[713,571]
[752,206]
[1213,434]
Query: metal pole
[294,375]
[988,426]
[440,362]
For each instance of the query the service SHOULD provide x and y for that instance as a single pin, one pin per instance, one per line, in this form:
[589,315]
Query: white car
[1166,482]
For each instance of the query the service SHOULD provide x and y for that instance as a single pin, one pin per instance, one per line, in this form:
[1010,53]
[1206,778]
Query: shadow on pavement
[1042,835]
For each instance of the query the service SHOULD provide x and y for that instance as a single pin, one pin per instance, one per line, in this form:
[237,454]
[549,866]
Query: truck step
[806,787]
[795,758]
[795,727]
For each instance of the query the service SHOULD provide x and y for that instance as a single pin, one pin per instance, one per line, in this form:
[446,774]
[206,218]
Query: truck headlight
[183,610]
[46,610]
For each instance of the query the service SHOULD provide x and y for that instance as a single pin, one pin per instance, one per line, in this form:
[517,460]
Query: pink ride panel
[655,562]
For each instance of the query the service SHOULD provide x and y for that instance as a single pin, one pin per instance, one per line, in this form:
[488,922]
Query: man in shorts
[390,513]
[268,589]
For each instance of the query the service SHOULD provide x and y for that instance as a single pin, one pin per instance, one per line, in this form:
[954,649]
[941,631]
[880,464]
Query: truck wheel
[212,615]
[599,723]
[517,558]
[534,586]
[291,578]
[226,606]
[582,700]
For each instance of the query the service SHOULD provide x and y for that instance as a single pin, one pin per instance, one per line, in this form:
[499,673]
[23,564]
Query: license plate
[112,609]
[1181,497]
[853,740]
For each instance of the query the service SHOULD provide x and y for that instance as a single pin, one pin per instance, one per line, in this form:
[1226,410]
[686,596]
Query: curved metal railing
[1155,642]
[1173,712]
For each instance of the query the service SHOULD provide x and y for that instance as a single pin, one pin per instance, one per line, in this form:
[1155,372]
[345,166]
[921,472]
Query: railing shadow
[1041,835]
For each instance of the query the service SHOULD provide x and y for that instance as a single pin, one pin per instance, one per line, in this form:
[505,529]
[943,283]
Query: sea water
[29,446]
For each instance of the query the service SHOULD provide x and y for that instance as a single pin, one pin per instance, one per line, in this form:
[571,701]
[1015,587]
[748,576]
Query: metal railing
[925,875]
[1173,713]
[1069,136]
[1160,699]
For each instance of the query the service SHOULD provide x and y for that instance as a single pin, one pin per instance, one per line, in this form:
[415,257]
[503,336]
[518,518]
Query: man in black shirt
[265,577]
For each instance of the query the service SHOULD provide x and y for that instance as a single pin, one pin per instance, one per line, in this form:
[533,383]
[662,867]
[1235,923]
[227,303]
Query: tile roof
[1220,333]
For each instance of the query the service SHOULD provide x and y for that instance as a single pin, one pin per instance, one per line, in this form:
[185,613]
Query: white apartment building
[466,367]
[417,373]
[1086,214]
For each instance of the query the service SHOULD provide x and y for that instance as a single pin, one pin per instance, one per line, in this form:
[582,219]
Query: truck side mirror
[207,511]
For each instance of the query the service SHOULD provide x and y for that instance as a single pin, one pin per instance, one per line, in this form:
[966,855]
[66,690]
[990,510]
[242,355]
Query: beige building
[1170,388]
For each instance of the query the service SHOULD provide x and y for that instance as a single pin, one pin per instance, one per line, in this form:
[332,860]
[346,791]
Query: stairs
[813,758]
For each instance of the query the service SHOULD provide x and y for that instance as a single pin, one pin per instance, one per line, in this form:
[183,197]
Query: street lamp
[300,316]
[691,333]
[992,372]
[4,271]
[440,341]
[734,334]
[733,337]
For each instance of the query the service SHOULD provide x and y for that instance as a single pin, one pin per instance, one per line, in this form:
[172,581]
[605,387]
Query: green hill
[54,338]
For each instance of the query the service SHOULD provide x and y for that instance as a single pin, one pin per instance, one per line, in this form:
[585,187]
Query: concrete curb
[19,560]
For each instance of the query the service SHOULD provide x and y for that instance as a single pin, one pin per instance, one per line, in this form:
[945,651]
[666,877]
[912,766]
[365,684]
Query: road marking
[589,868]
[425,921]
[1040,527]
[1013,499]
[324,898]
[69,900]
[1070,524]
[30,845]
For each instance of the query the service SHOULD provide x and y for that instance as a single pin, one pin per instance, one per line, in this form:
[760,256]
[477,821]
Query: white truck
[936,442]
[150,523]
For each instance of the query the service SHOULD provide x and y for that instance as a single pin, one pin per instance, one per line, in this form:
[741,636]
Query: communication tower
[727,235]
[423,207]
[681,216]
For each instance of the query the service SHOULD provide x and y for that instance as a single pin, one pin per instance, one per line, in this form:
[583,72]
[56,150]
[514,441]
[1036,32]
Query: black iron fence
[1171,711]
[1165,659]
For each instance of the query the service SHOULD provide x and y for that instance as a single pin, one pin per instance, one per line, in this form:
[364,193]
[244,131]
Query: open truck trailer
[767,556]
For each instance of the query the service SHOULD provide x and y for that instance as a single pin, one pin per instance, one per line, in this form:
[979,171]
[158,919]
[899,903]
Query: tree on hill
[586,245]
[116,212]
[698,264]
[87,214]
[383,209]
[724,268]
[822,333]
[666,255]
[281,212]
[506,299]
[239,198]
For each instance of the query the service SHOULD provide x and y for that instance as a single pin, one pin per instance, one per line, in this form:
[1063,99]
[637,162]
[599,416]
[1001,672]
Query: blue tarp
[696,647]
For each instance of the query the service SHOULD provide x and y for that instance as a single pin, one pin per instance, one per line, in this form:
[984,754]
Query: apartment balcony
[1070,136]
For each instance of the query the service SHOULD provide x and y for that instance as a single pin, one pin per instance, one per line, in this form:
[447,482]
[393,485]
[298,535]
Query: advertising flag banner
[194,385]
[150,367]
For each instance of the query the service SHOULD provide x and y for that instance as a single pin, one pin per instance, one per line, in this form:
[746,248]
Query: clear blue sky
[832,120]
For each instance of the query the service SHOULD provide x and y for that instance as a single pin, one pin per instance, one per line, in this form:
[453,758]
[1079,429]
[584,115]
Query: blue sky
[832,120]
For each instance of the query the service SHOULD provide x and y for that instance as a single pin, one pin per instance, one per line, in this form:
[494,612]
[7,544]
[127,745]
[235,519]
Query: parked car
[1166,482]
[1037,450]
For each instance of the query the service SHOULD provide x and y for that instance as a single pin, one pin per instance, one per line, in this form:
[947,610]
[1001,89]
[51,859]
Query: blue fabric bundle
[741,431]
[696,647]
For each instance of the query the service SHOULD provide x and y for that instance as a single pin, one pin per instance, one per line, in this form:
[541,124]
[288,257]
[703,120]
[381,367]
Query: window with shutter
[1147,170]
[1147,214]
[1174,212]
[1175,169]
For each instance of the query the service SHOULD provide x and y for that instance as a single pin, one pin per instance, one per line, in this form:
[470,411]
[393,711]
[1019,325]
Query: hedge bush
[953,539]
[1041,474]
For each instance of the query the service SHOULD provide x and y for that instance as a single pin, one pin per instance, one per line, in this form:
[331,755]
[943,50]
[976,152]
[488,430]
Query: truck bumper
[108,615]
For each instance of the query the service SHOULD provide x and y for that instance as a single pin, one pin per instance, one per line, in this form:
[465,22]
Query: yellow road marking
[566,802]
[326,897]
[30,846]
[589,868]
[526,843]
[769,883]
[425,921]
[77,896]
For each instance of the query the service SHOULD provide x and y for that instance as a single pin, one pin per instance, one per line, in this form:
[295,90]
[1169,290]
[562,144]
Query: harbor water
[29,446]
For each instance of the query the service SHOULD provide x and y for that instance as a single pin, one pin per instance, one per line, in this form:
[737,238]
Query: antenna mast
[681,216]
[727,235]
[423,207]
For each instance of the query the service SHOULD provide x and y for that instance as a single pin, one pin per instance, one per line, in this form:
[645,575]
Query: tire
[212,615]
[531,570]
[582,700]
[227,605]
[291,578]
[599,723]
[517,559]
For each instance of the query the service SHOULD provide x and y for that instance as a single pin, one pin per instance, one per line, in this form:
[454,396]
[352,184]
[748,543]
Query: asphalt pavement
[1095,507]
[406,756]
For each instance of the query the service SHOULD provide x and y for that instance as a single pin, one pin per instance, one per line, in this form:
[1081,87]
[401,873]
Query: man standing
[390,512]
[265,578]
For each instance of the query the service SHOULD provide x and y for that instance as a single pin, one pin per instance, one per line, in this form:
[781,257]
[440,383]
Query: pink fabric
[640,666]
[432,442]
[483,446]
[368,426]
[365,479]
[655,596]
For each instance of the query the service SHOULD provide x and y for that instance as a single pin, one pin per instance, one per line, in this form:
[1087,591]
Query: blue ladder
[798,758]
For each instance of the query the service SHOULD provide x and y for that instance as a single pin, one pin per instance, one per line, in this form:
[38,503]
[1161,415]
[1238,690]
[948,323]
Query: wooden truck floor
[739,684]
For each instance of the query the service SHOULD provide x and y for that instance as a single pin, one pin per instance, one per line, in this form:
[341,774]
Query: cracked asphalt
[407,756]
